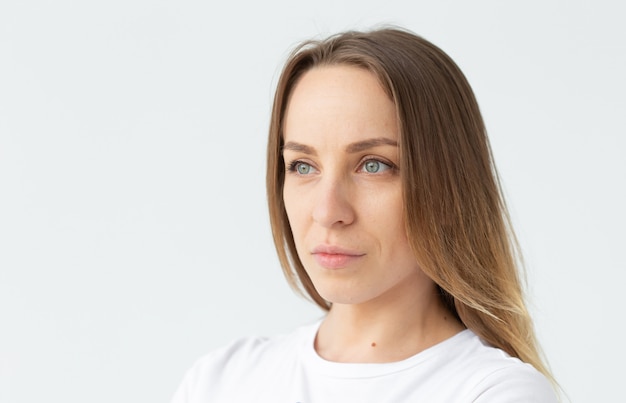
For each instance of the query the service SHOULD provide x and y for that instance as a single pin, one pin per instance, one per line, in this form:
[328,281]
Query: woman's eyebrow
[293,146]
[355,147]
[359,146]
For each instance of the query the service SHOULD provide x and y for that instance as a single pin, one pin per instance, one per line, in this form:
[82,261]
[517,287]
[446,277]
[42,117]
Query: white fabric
[286,369]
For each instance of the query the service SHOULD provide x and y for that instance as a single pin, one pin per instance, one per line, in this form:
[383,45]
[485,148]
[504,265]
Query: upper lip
[335,250]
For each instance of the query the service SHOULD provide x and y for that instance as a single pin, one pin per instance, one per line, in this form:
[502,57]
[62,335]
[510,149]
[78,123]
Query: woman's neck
[391,328]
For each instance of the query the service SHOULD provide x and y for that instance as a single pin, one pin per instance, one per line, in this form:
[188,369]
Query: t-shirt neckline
[313,360]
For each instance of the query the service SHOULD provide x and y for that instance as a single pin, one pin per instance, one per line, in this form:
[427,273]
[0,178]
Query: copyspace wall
[133,228]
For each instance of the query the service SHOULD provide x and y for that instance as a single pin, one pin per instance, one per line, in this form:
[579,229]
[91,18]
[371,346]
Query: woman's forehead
[344,102]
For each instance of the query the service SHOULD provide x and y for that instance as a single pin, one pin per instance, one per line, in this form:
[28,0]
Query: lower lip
[335,261]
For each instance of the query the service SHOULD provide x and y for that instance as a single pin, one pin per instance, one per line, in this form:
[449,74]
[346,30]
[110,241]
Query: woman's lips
[332,257]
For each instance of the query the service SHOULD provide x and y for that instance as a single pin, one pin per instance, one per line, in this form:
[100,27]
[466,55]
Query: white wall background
[133,227]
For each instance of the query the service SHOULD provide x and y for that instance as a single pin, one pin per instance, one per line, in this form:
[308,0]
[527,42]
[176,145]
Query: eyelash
[291,167]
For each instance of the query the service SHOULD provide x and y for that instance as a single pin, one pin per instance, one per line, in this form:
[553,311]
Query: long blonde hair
[456,218]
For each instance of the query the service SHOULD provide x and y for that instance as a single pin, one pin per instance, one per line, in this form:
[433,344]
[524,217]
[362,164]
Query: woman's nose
[333,205]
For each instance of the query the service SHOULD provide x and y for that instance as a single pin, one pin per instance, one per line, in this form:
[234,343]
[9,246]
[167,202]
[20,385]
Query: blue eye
[300,168]
[375,166]
[303,169]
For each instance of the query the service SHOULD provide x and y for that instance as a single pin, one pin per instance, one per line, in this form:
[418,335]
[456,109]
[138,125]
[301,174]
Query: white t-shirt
[286,369]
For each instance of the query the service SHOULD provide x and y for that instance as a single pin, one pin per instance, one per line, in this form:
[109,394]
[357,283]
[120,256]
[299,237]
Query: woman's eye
[301,168]
[375,166]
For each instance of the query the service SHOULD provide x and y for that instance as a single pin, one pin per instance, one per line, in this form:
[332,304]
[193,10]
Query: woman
[386,210]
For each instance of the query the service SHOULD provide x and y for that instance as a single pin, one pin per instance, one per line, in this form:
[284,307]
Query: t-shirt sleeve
[188,389]
[516,384]
[206,380]
[182,394]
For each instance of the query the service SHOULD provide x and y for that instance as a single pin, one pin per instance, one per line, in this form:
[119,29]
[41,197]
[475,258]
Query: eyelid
[379,159]
[291,166]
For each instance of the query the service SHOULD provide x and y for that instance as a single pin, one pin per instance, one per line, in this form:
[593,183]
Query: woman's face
[342,191]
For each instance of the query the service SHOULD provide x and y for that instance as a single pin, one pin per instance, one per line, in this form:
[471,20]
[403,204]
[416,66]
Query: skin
[343,196]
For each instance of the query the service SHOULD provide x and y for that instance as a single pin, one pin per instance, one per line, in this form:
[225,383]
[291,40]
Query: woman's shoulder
[492,375]
[243,360]
[256,347]
[249,350]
